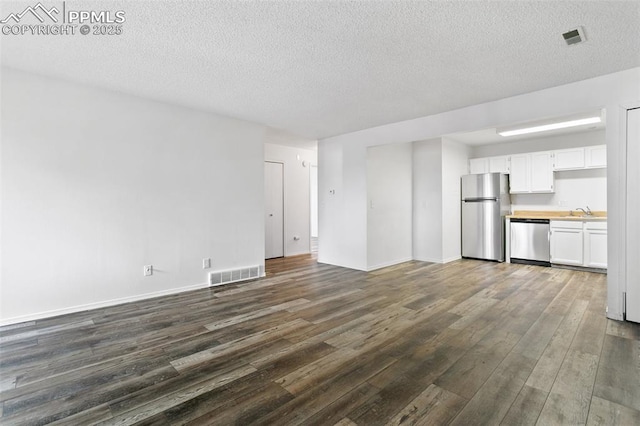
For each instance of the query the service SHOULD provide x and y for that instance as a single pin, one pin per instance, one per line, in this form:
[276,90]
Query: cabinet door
[595,248]
[596,156]
[566,246]
[499,164]
[519,177]
[478,166]
[568,159]
[541,172]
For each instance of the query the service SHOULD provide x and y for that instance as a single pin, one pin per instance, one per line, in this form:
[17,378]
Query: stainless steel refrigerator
[485,203]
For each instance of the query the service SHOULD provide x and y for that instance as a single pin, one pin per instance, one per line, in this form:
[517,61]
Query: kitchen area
[550,186]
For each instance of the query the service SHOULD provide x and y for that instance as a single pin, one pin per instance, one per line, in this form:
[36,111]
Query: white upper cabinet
[569,159]
[478,166]
[499,164]
[589,157]
[519,177]
[541,172]
[596,156]
[531,173]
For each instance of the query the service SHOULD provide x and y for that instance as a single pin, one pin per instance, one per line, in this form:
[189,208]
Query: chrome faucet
[586,212]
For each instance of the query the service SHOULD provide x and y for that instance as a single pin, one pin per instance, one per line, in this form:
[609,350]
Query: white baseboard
[615,316]
[391,263]
[338,264]
[434,260]
[97,305]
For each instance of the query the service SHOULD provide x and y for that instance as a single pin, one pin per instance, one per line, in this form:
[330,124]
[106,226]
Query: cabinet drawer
[595,225]
[566,224]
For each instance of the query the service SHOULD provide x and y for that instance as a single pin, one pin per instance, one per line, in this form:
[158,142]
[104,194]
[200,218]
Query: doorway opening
[274,209]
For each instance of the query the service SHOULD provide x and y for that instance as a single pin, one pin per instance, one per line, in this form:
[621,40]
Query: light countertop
[571,215]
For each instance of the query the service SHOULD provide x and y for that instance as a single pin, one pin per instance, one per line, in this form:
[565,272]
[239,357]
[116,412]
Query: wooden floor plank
[603,413]
[467,342]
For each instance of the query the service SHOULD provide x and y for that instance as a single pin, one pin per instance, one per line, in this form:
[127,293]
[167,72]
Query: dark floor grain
[466,342]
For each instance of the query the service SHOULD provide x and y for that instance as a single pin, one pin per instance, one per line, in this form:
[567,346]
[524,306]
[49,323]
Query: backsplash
[573,189]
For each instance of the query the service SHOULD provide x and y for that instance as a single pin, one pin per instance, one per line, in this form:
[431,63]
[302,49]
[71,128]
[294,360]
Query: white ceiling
[324,68]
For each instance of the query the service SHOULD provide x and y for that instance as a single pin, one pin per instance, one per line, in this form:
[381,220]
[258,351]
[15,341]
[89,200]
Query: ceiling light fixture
[552,126]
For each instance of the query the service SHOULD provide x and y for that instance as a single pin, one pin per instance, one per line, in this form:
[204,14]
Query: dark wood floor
[464,343]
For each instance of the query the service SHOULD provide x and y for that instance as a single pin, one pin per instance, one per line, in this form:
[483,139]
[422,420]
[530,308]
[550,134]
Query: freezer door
[481,186]
[482,230]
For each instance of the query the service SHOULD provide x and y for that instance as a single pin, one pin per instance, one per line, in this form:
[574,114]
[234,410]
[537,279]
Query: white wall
[608,91]
[96,184]
[297,201]
[438,165]
[389,176]
[427,200]
[455,159]
[342,197]
[573,189]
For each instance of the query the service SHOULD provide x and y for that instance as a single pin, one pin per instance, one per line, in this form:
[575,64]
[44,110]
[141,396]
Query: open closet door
[633,207]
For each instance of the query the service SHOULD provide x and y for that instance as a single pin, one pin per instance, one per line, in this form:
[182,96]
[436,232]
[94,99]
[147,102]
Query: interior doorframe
[284,211]
[624,267]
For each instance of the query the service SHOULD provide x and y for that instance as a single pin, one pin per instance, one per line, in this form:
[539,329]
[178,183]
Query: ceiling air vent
[574,36]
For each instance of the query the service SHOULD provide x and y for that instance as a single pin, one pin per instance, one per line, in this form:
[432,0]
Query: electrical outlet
[206,263]
[148,270]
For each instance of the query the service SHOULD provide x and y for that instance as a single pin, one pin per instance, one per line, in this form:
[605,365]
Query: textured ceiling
[324,68]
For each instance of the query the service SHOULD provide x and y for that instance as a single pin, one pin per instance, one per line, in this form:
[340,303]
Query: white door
[633,207]
[274,209]
[314,200]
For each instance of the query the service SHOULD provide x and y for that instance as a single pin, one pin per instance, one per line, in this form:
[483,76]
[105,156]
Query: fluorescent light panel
[552,126]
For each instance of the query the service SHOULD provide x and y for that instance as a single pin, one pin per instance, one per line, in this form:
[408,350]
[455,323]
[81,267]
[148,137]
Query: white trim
[615,316]
[97,305]
[430,260]
[451,259]
[386,264]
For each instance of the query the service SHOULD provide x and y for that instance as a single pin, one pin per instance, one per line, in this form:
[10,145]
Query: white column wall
[454,165]
[389,183]
[427,201]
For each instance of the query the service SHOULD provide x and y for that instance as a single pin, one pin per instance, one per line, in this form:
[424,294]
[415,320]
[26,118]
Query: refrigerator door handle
[479,200]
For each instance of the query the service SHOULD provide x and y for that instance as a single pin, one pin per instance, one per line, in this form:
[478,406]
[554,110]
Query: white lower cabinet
[566,243]
[595,244]
[579,243]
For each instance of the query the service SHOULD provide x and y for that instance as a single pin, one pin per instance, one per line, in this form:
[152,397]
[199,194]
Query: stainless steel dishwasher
[530,241]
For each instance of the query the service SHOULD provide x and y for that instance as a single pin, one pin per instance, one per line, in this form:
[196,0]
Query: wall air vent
[235,275]
[574,36]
